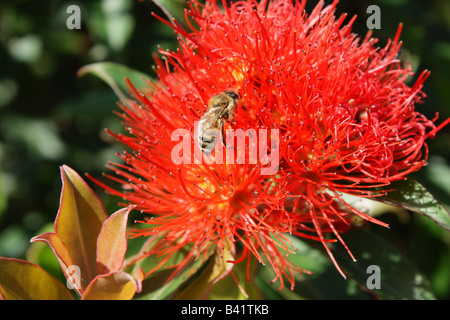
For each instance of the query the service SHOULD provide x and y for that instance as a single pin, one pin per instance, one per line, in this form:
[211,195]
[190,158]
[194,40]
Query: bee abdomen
[207,141]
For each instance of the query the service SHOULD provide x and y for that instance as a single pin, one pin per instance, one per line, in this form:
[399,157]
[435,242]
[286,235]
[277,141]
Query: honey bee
[220,109]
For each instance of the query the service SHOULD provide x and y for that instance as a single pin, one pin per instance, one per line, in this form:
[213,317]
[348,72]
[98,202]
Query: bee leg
[230,116]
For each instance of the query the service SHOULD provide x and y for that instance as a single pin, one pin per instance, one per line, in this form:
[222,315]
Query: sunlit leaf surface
[21,280]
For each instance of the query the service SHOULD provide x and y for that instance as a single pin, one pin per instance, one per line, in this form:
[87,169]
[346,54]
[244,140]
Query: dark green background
[49,117]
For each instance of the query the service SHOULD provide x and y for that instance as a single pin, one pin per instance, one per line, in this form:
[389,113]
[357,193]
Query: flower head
[343,118]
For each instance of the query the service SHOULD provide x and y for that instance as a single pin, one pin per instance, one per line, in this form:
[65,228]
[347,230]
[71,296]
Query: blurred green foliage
[49,117]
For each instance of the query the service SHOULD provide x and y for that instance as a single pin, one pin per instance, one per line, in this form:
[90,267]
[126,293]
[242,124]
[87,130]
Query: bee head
[233,94]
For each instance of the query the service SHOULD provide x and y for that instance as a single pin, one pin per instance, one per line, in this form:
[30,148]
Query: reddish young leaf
[79,221]
[112,242]
[116,285]
[61,253]
[22,280]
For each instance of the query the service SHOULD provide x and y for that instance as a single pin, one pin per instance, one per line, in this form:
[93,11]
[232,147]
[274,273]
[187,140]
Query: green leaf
[163,283]
[173,9]
[411,195]
[112,242]
[399,279]
[217,269]
[325,282]
[236,286]
[115,76]
[22,280]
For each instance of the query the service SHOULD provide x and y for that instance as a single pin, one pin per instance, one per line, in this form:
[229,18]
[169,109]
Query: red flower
[344,118]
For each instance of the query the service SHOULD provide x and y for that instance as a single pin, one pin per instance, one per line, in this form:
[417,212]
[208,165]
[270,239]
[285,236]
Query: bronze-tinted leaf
[116,285]
[65,261]
[22,280]
[78,223]
[112,242]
